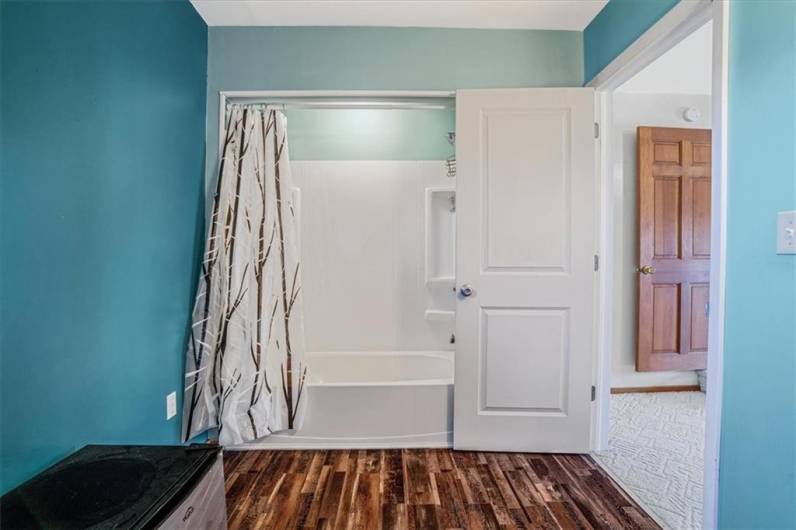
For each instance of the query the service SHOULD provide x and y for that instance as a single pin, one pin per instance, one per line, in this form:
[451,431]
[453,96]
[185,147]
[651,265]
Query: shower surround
[380,371]
[362,234]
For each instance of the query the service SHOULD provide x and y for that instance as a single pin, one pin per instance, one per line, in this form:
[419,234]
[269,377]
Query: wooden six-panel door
[674,248]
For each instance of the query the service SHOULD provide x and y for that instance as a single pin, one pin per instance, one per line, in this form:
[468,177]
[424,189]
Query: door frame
[682,20]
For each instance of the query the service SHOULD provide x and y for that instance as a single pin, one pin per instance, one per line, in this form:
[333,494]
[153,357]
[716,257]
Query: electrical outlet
[786,232]
[171,405]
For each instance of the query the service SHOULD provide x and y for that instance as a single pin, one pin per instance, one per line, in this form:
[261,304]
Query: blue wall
[756,471]
[362,58]
[615,28]
[103,112]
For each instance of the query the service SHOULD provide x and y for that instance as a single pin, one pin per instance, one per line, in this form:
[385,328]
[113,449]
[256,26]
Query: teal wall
[615,28]
[327,58]
[102,132]
[757,465]
[370,134]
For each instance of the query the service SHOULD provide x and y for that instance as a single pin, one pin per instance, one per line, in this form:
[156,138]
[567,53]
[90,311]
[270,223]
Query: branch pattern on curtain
[244,369]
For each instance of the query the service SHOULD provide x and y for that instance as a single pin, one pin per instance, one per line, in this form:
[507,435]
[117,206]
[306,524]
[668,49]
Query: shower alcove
[377,237]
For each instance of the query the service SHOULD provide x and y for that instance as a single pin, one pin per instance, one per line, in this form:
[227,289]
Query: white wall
[629,112]
[684,69]
[362,248]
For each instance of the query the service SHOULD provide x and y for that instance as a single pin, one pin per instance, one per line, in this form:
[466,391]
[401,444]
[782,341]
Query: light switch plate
[786,232]
[171,405]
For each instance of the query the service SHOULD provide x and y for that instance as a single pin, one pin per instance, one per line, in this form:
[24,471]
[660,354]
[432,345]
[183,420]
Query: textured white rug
[656,450]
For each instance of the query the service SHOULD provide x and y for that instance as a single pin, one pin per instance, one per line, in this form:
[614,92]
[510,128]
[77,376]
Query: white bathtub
[374,400]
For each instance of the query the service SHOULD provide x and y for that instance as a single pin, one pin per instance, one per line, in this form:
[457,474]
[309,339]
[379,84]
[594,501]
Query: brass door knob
[646,269]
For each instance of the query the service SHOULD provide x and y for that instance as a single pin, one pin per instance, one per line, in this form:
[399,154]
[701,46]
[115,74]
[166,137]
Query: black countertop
[107,486]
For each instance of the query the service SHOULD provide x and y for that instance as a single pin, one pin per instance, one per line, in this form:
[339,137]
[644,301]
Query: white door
[525,247]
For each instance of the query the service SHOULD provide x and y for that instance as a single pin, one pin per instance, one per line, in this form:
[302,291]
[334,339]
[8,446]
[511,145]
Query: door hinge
[593,392]
[596,130]
[596,262]
[707,309]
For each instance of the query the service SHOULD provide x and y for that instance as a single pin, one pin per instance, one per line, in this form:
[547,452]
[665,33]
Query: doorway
[657,431]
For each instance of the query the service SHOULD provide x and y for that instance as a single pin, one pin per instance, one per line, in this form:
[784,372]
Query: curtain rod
[408,101]
[374,99]
[388,105]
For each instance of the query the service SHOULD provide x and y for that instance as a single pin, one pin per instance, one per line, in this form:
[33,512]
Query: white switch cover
[171,405]
[786,232]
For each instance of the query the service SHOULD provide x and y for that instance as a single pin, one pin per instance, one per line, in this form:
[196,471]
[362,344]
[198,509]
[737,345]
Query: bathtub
[374,400]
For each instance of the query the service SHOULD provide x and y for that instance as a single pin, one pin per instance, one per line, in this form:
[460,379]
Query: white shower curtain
[244,369]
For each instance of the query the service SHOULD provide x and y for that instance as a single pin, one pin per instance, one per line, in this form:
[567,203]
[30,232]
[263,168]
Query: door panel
[666,317]
[525,241]
[666,242]
[699,234]
[525,180]
[525,355]
[700,295]
[674,248]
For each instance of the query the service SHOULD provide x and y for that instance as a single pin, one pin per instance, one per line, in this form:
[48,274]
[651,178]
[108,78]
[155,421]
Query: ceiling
[572,15]
[685,69]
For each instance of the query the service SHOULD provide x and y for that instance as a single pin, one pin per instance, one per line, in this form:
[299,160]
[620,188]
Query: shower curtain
[244,369]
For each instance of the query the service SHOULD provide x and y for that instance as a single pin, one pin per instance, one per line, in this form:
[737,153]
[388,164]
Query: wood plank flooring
[423,488]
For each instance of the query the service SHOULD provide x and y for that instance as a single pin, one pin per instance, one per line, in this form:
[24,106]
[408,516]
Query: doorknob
[465,290]
[646,269]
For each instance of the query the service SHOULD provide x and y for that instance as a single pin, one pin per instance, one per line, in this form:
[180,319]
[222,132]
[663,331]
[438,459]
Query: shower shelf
[440,244]
[440,254]
[438,314]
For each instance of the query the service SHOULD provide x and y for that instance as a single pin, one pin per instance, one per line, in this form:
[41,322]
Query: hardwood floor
[423,488]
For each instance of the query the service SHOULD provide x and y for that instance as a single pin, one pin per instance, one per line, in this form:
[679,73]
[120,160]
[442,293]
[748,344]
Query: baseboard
[645,389]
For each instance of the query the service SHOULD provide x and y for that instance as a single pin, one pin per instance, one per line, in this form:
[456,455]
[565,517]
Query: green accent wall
[362,58]
[370,134]
[101,170]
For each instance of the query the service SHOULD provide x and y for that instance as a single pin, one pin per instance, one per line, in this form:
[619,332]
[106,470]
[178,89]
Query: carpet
[656,450]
